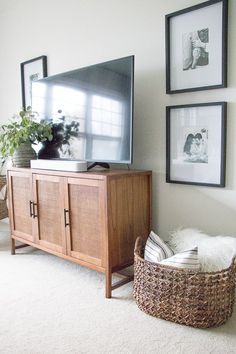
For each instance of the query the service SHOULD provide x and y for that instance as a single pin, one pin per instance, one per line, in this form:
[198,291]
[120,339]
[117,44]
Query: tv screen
[93,108]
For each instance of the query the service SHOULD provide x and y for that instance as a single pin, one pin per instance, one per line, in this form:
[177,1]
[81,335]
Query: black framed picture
[196,47]
[31,70]
[196,144]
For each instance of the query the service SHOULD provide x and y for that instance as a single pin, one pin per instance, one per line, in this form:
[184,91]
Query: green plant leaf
[23,129]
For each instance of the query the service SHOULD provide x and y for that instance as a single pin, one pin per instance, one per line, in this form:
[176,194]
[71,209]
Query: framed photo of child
[196,144]
[196,47]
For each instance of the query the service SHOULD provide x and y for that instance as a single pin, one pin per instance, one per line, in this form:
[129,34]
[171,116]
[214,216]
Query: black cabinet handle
[65,217]
[30,208]
[34,215]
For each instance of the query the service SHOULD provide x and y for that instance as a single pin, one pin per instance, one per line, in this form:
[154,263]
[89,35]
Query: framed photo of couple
[196,47]
[196,144]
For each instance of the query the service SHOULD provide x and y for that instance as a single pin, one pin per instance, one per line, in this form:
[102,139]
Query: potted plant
[17,137]
[62,132]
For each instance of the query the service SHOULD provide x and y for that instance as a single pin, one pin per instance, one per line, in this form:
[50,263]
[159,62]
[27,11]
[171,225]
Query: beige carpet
[48,305]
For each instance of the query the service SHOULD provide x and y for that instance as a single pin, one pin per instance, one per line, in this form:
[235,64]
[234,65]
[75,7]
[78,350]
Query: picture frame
[31,70]
[196,144]
[196,47]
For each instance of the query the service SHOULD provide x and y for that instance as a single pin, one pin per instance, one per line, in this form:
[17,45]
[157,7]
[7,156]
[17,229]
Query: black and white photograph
[196,47]
[31,70]
[196,138]
[195,145]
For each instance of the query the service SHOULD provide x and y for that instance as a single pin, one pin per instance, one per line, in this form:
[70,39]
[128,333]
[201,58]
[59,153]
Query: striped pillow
[185,260]
[156,249]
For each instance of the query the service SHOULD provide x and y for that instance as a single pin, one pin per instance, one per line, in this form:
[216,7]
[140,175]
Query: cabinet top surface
[86,174]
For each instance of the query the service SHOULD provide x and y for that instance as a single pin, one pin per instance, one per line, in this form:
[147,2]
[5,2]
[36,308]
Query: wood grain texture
[129,208]
[19,197]
[49,209]
[85,220]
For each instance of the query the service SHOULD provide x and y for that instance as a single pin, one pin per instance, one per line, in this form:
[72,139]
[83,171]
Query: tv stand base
[102,164]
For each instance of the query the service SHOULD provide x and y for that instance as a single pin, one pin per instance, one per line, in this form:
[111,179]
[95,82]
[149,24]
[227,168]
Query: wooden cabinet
[91,218]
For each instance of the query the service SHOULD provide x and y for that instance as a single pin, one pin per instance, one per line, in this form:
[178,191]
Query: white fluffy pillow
[214,252]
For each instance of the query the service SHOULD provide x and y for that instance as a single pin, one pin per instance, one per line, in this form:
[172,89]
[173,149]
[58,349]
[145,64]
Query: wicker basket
[191,298]
[3,202]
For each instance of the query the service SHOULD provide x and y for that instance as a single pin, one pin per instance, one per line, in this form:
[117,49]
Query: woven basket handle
[138,246]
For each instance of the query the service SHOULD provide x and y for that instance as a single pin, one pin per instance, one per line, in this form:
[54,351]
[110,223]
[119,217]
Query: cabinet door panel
[85,199]
[49,209]
[19,199]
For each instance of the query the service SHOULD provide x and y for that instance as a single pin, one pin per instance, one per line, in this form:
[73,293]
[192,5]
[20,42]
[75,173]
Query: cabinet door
[49,212]
[20,204]
[86,209]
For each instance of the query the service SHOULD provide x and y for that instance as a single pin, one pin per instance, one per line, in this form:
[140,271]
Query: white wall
[76,33]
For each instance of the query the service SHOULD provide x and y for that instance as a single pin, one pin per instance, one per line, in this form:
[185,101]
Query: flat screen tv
[94,106]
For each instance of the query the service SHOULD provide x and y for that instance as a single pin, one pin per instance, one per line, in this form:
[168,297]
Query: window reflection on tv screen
[93,107]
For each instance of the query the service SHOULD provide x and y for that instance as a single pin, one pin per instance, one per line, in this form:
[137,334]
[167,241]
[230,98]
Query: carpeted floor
[49,305]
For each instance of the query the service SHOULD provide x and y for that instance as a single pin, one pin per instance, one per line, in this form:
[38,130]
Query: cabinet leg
[108,284]
[13,246]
